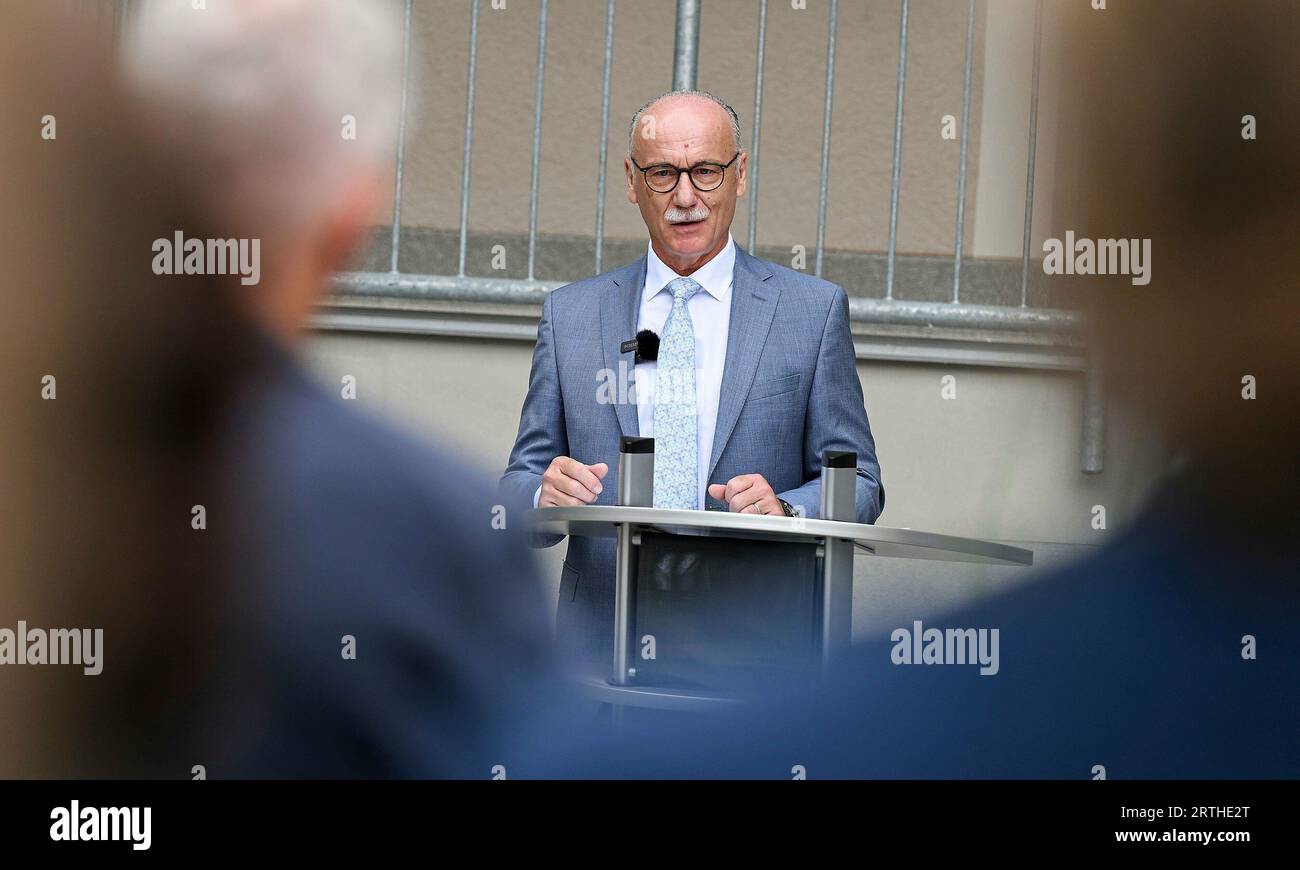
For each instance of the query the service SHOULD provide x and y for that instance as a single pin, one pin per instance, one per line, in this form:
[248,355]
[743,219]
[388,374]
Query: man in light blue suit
[754,380]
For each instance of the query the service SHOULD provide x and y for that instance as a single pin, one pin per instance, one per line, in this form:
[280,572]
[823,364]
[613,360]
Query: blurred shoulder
[345,527]
[324,443]
[327,479]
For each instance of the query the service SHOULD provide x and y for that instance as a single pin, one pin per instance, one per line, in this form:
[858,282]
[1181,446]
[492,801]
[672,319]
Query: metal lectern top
[605,520]
[834,542]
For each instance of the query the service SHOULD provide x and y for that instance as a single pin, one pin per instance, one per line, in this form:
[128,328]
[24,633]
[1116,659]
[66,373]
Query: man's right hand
[567,483]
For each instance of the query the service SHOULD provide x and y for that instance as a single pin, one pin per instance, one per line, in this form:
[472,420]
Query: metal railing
[685,72]
[886,311]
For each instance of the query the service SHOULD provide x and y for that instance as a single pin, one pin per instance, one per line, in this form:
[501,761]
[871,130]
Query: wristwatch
[788,508]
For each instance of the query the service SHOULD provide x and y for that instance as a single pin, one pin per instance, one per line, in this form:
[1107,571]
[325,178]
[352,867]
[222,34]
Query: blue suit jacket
[790,391]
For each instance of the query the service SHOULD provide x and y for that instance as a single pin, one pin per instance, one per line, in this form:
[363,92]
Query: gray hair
[264,94]
[704,95]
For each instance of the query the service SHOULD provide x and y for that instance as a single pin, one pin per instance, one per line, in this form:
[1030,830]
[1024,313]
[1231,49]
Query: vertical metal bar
[624,602]
[838,502]
[1094,420]
[965,141]
[686,46]
[469,133]
[837,601]
[401,142]
[826,134]
[537,140]
[120,23]
[752,165]
[635,488]
[1033,152]
[604,136]
[898,153]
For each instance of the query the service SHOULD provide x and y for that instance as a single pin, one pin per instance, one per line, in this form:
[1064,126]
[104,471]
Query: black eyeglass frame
[721,167]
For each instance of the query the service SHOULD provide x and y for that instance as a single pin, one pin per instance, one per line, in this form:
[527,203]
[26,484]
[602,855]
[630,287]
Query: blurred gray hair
[259,91]
[704,95]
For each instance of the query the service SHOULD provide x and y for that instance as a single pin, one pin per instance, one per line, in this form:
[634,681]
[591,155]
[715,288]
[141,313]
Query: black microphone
[646,345]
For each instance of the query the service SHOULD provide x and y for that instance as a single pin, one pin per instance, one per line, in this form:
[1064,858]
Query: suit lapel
[753,305]
[618,313]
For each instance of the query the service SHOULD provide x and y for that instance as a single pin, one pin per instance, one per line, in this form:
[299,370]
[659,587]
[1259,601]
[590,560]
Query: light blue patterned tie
[676,456]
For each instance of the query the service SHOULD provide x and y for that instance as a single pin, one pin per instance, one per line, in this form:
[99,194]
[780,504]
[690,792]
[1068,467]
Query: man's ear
[628,170]
[353,211]
[742,174]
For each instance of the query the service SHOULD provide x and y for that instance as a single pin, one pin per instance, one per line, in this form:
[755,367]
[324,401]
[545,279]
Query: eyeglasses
[663,177]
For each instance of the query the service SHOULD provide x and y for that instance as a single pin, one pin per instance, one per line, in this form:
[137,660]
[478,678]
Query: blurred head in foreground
[1185,132]
[289,112]
[281,586]
[116,377]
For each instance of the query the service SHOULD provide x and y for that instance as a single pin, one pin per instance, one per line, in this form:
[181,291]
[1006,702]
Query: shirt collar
[715,276]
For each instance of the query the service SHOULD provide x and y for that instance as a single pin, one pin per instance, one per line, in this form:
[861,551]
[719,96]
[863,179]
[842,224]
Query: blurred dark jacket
[342,527]
[1131,660]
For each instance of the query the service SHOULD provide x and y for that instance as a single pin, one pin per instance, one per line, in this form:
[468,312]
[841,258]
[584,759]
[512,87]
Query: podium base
[599,689]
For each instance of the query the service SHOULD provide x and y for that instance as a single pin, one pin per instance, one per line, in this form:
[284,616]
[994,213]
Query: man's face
[687,226]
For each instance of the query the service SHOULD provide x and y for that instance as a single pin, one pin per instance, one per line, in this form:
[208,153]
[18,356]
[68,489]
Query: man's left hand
[748,494]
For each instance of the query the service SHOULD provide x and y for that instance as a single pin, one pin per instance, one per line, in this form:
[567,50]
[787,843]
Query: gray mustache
[676,215]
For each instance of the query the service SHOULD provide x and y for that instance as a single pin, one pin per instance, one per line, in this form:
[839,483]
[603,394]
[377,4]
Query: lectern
[710,604]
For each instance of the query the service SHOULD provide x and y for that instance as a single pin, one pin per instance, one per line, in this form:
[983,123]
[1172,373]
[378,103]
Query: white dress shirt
[710,311]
